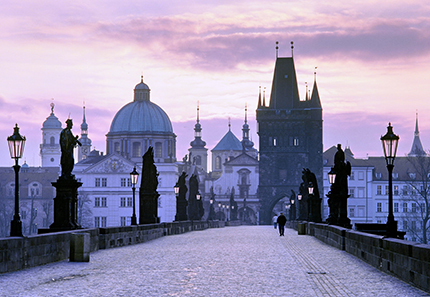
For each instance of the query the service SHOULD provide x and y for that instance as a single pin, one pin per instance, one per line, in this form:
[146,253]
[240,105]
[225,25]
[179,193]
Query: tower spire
[417,147]
[292,49]
[259,96]
[264,97]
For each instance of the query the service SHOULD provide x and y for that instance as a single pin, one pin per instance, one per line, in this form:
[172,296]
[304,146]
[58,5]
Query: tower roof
[285,93]
[228,142]
[417,147]
[52,121]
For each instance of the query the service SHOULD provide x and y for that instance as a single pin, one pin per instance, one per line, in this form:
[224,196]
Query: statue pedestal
[148,208]
[65,205]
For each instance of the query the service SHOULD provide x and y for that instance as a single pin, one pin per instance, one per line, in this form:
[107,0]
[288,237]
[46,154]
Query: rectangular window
[405,207]
[123,202]
[351,192]
[352,212]
[129,201]
[379,207]
[123,221]
[405,190]
[360,175]
[378,190]
[423,207]
[413,225]
[361,192]
[104,182]
[97,202]
[405,225]
[396,207]
[97,182]
[386,190]
[128,182]
[352,176]
[396,190]
[414,207]
[97,222]
[103,222]
[123,182]
[296,141]
[104,202]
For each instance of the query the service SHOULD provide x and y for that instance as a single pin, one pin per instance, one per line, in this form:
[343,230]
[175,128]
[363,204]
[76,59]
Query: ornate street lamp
[176,188]
[134,175]
[389,144]
[16,144]
[311,189]
[331,176]
[198,196]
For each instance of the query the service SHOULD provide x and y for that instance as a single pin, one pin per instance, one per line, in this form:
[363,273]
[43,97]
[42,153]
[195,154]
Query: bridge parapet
[409,261]
[18,253]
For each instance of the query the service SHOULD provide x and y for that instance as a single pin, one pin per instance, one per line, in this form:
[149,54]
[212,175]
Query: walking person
[275,221]
[282,220]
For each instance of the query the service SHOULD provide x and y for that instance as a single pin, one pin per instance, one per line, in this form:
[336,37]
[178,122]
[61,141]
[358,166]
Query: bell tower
[50,151]
[84,150]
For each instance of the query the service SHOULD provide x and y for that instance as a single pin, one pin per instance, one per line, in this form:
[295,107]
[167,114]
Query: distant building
[50,151]
[106,178]
[368,189]
[290,134]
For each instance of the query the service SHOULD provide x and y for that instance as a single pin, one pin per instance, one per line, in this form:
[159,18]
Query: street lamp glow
[331,176]
[311,189]
[176,188]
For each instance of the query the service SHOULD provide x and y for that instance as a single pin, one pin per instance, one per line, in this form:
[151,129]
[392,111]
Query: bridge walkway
[232,261]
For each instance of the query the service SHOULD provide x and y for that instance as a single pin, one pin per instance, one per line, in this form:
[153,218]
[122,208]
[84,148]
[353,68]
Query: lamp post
[134,176]
[16,144]
[389,144]
[293,209]
[310,214]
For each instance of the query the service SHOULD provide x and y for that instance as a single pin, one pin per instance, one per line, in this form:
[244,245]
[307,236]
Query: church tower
[50,151]
[84,150]
[247,144]
[290,138]
[198,152]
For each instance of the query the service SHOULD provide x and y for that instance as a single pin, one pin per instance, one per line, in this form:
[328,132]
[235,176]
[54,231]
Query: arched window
[137,152]
[52,140]
[158,150]
[218,162]
[34,189]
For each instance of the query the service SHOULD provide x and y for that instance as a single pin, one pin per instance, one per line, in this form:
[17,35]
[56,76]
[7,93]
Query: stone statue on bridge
[181,200]
[148,195]
[67,144]
[338,194]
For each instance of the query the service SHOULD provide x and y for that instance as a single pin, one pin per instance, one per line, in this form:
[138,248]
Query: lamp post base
[16,227]
[134,220]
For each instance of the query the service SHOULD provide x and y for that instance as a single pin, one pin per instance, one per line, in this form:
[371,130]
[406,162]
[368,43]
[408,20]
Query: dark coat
[282,220]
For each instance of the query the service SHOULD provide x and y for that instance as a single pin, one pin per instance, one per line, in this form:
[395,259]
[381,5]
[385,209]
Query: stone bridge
[215,261]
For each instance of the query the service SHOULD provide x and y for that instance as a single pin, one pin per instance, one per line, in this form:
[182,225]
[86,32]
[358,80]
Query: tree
[6,214]
[419,195]
[84,210]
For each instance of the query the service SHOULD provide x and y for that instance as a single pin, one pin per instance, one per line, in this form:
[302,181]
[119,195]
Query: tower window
[218,162]
[52,140]
[158,152]
[296,141]
[198,160]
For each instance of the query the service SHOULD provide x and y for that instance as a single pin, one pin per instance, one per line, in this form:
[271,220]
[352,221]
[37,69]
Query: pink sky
[373,63]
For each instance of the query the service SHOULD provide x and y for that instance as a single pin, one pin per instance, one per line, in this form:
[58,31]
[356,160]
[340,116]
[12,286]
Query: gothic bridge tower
[290,137]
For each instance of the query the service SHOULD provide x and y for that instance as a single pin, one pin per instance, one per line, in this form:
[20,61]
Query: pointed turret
[198,151]
[315,98]
[198,142]
[417,147]
[85,148]
[259,97]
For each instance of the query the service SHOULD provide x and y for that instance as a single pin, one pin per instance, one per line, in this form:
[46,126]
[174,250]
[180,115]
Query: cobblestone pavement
[231,261]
